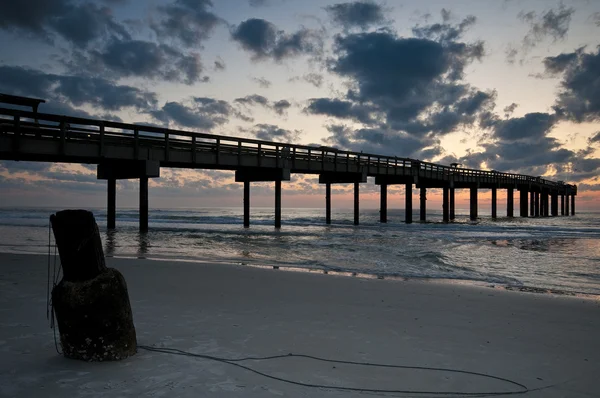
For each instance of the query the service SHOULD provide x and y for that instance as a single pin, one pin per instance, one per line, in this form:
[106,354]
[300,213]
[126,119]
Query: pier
[136,151]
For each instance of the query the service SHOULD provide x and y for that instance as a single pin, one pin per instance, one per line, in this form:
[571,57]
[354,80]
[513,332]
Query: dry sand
[223,310]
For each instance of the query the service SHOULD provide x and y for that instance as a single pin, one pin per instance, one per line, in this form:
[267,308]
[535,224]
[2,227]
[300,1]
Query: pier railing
[141,141]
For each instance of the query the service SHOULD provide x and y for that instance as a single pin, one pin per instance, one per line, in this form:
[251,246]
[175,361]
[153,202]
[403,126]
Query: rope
[234,362]
[49,288]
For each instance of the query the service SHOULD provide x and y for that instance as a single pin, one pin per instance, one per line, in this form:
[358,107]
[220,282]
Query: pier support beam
[494,202]
[562,204]
[408,204]
[532,204]
[510,202]
[523,202]
[473,202]
[278,204]
[567,205]
[537,205]
[423,204]
[112,170]
[356,202]
[328,203]
[383,204]
[452,207]
[246,204]
[554,204]
[143,203]
[445,204]
[545,203]
[572,205]
[111,208]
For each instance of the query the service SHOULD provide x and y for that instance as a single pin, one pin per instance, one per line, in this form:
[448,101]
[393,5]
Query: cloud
[269,132]
[280,107]
[596,18]
[262,82]
[357,14]
[189,21]
[383,141]
[258,3]
[219,64]
[315,79]
[594,139]
[73,90]
[340,109]
[136,58]
[551,23]
[264,41]
[200,112]
[579,96]
[78,23]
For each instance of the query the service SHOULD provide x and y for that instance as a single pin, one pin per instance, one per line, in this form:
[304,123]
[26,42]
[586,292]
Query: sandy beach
[534,340]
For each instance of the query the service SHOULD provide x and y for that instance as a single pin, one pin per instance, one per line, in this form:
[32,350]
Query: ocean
[557,253]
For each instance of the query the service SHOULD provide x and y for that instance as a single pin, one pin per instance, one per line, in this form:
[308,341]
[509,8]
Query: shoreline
[363,275]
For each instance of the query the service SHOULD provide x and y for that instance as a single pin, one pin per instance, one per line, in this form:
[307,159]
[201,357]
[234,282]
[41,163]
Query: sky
[507,85]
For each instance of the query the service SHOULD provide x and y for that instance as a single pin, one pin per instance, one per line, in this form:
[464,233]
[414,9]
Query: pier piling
[356,202]
[408,204]
[383,204]
[494,203]
[473,202]
[445,204]
[523,202]
[510,202]
[452,212]
[111,211]
[423,204]
[144,203]
[278,204]
[328,203]
[246,204]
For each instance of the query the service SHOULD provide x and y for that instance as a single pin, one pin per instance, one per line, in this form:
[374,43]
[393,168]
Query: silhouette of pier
[127,151]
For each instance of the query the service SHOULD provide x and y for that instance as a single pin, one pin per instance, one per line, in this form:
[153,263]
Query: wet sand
[535,340]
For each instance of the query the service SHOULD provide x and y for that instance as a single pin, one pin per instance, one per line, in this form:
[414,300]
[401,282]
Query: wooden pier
[125,151]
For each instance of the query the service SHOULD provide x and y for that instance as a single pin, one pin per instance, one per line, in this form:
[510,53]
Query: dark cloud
[73,90]
[262,82]
[551,23]
[508,110]
[253,99]
[264,41]
[579,96]
[313,78]
[269,132]
[532,127]
[189,21]
[136,58]
[201,112]
[594,139]
[382,141]
[340,109]
[219,64]
[405,91]
[281,106]
[359,14]
[596,18]
[78,23]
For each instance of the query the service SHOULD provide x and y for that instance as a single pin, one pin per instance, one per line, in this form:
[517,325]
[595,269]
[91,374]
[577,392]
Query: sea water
[558,253]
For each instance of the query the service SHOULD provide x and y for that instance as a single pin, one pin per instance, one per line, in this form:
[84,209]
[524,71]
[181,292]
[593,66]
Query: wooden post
[408,204]
[445,204]
[562,204]
[537,204]
[91,303]
[473,202]
[452,205]
[510,202]
[494,202]
[573,204]
[111,208]
[143,204]
[277,203]
[328,203]
[523,196]
[423,204]
[383,204]
[532,204]
[246,204]
[356,197]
